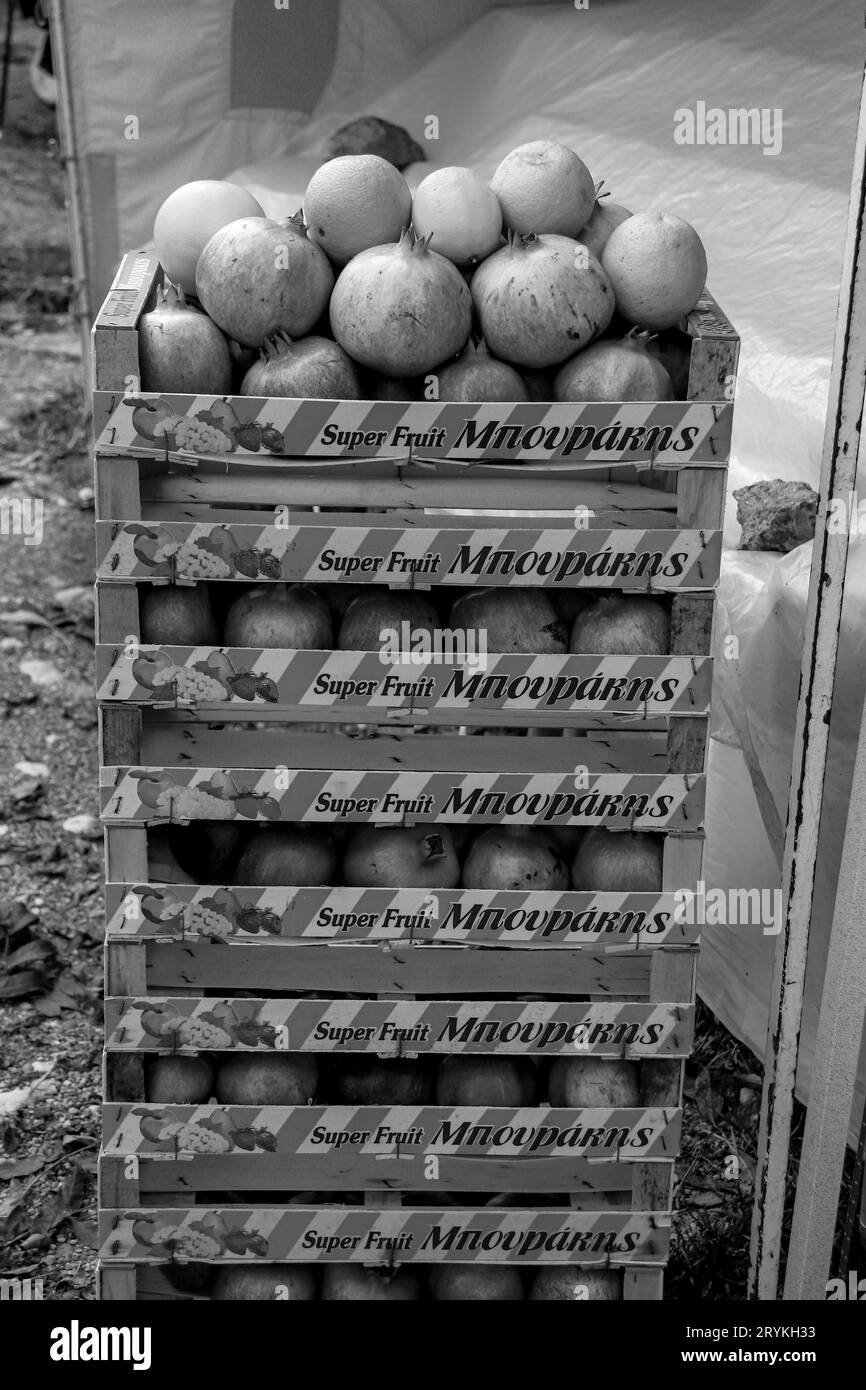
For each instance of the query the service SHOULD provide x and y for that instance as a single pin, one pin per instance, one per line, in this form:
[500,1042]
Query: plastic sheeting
[608,82]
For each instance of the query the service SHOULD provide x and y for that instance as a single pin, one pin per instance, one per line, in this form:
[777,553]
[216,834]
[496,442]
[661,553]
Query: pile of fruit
[298,1078]
[531,286]
[448,1283]
[350,617]
[515,857]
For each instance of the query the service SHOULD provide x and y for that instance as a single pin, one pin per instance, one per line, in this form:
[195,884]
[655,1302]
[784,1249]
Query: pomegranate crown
[413,244]
[280,345]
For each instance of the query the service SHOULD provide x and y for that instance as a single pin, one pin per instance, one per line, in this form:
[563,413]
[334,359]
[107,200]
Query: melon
[460,211]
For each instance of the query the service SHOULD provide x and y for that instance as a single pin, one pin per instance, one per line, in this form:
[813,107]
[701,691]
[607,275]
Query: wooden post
[834,1071]
[842,442]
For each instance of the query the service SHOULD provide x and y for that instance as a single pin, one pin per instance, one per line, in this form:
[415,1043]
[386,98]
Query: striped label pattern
[366,1236]
[188,428]
[599,921]
[627,559]
[643,801]
[373,683]
[394,1028]
[381,1131]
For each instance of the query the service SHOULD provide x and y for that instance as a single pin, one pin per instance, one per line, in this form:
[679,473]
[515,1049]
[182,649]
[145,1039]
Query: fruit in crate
[289,856]
[541,298]
[384,611]
[278,1078]
[457,1283]
[179,1081]
[460,212]
[206,850]
[517,857]
[622,625]
[317,368]
[495,1080]
[401,856]
[622,861]
[292,1283]
[345,1281]
[173,615]
[401,308]
[256,277]
[382,1081]
[593,1081]
[603,221]
[511,620]
[575,1283]
[616,370]
[279,615]
[354,202]
[392,388]
[187,220]
[181,350]
[657,266]
[476,376]
[544,186]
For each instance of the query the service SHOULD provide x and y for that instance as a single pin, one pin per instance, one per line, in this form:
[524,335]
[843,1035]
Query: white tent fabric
[607,80]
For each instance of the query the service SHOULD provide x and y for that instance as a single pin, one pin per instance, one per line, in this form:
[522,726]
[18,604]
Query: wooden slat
[402,970]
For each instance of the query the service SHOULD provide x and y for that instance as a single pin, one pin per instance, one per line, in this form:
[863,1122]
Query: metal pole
[817,672]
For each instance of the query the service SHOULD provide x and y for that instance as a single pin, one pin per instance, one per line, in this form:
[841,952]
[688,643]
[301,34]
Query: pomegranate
[401,308]
[623,625]
[383,611]
[314,367]
[575,1283]
[459,1283]
[279,615]
[541,298]
[287,856]
[500,1080]
[177,615]
[256,277]
[188,218]
[345,1281]
[181,350]
[616,370]
[206,850]
[179,1081]
[604,219]
[392,388]
[626,861]
[382,1081]
[593,1081]
[401,856]
[265,1281]
[276,1078]
[515,857]
[512,620]
[476,376]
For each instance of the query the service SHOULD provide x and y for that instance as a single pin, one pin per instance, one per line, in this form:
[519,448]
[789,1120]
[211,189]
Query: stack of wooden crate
[622,497]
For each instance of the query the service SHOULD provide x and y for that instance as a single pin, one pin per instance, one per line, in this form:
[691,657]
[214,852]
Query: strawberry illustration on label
[272,439]
[248,805]
[269,565]
[249,436]
[269,808]
[244,685]
[268,690]
[246,562]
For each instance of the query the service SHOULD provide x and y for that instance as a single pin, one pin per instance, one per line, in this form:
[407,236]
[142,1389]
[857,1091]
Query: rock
[373,135]
[39,771]
[41,673]
[84,826]
[776,515]
[10,644]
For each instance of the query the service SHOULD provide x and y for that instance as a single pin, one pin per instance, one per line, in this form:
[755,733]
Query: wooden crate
[130,1263]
